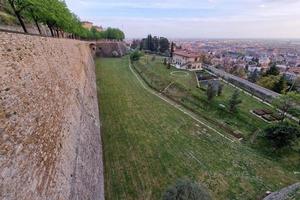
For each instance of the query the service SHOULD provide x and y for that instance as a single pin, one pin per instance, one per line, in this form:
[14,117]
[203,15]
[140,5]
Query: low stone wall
[50,143]
[254,89]
[287,193]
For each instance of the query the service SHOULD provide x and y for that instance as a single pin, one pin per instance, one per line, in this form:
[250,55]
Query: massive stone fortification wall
[50,144]
[110,49]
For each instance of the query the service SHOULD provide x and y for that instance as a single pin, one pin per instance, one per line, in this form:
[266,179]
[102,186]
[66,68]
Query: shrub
[234,101]
[186,190]
[115,54]
[220,89]
[7,19]
[153,58]
[210,92]
[135,56]
[281,134]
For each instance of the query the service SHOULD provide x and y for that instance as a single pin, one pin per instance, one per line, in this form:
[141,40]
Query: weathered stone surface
[285,193]
[50,143]
[110,49]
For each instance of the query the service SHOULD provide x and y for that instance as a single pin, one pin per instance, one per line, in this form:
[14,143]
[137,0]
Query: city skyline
[193,19]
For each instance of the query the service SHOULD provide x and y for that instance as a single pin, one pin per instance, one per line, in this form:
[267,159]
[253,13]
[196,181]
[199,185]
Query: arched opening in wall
[99,52]
[93,48]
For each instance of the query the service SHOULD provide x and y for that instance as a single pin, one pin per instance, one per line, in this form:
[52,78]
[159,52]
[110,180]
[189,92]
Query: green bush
[281,134]
[7,19]
[186,190]
[135,55]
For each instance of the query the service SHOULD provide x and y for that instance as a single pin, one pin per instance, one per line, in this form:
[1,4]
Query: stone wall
[50,143]
[252,88]
[110,48]
[289,193]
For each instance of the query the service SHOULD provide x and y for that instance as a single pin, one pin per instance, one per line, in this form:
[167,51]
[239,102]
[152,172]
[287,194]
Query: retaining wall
[50,143]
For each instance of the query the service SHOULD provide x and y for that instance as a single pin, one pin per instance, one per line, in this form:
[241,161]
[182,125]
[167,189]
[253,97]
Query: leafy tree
[169,65]
[32,14]
[165,61]
[210,92]
[295,84]
[285,103]
[273,70]
[268,81]
[135,56]
[186,190]
[295,96]
[143,44]
[135,44]
[172,49]
[254,76]
[153,58]
[280,86]
[59,19]
[163,44]
[281,134]
[155,44]
[54,13]
[234,101]
[149,42]
[114,33]
[94,33]
[220,89]
[238,71]
[18,7]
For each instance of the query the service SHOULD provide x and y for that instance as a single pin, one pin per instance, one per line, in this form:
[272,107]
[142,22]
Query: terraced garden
[149,144]
[243,122]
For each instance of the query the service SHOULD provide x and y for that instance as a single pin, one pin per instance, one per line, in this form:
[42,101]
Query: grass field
[149,144]
[243,121]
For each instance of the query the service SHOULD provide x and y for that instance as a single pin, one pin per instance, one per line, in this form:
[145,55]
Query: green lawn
[148,145]
[157,66]
[244,121]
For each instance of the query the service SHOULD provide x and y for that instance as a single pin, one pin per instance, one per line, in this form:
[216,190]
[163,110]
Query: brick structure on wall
[50,143]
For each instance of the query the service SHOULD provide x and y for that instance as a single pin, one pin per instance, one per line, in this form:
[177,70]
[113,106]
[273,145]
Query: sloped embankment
[50,144]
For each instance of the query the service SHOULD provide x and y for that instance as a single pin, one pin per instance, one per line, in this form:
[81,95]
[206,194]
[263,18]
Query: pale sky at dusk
[195,18]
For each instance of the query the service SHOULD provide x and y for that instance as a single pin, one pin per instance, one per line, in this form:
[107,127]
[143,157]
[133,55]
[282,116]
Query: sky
[194,18]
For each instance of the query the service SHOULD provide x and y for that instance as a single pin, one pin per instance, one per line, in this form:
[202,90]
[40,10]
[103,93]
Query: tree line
[273,80]
[57,17]
[154,44]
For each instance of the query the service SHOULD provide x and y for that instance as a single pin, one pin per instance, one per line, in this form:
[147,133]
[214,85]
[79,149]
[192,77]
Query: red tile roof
[295,70]
[186,54]
[86,22]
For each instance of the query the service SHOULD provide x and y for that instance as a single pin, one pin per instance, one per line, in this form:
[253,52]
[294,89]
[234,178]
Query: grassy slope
[148,145]
[243,121]
[7,19]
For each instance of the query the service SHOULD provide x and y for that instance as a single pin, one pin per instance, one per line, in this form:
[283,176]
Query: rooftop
[187,54]
[295,70]
[86,22]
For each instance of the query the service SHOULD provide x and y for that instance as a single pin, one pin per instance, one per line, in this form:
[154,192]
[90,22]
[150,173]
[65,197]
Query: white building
[253,68]
[183,59]
[264,62]
[292,73]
